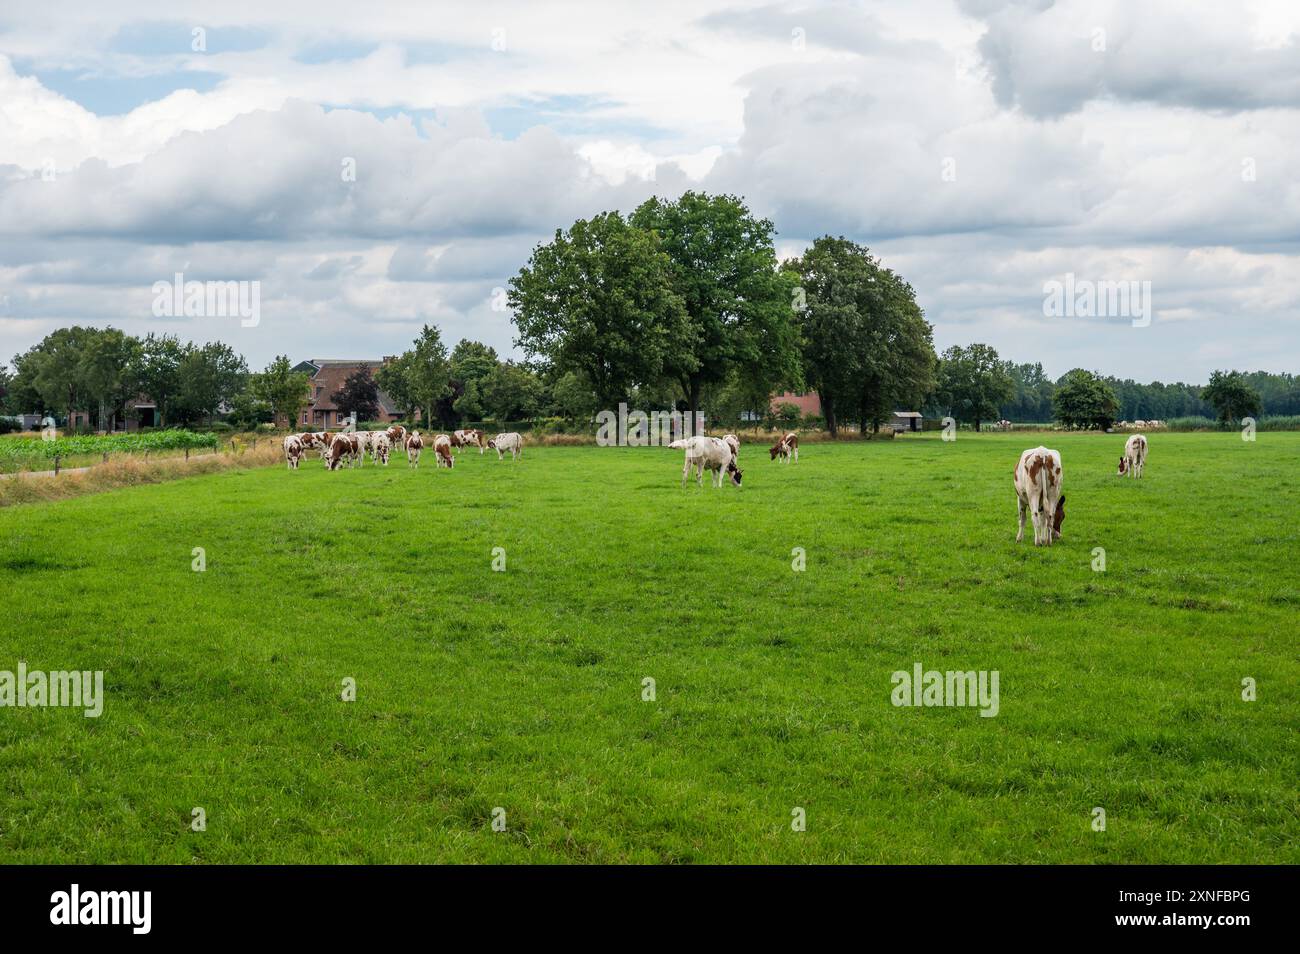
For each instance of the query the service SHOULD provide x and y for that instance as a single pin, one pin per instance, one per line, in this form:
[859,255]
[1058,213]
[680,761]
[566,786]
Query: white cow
[1038,489]
[1135,456]
[363,444]
[734,442]
[711,453]
[414,444]
[381,447]
[509,441]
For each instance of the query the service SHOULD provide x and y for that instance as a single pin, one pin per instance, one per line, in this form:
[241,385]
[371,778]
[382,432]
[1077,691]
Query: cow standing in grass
[380,445]
[468,438]
[442,445]
[293,450]
[734,443]
[342,447]
[1038,489]
[708,453]
[414,444]
[362,441]
[397,435]
[786,448]
[1134,459]
[509,441]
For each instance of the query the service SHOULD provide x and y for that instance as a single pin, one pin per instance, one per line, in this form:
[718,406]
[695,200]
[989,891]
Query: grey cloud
[1042,57]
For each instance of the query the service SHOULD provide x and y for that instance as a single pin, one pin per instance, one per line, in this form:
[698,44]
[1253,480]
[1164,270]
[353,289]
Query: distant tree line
[680,305]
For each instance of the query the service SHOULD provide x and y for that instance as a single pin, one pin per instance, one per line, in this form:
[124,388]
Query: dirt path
[45,473]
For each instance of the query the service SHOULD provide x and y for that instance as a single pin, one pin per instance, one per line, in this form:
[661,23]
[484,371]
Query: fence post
[187,453]
[56,465]
[105,457]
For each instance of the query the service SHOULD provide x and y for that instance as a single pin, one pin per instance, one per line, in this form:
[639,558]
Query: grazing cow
[342,446]
[293,450]
[397,435]
[380,446]
[469,438]
[312,439]
[1038,489]
[442,445]
[509,441]
[362,441]
[1134,458]
[414,444]
[708,453]
[734,443]
[786,448]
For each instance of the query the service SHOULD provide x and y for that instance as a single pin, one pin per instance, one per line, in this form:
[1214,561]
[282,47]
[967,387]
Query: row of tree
[687,298]
[974,385]
[97,370]
[679,304]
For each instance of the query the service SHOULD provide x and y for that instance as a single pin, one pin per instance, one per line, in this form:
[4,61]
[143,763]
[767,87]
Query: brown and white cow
[342,447]
[1038,490]
[380,446]
[734,443]
[786,448]
[469,438]
[1134,458]
[293,450]
[442,445]
[414,444]
[397,435]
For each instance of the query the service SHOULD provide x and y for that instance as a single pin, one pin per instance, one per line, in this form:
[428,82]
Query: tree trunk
[977,425]
[828,411]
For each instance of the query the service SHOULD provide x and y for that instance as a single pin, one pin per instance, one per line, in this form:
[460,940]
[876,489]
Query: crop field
[37,453]
[614,669]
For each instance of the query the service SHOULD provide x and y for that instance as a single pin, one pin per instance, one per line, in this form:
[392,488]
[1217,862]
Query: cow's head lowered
[777,449]
[1123,465]
[734,472]
[1059,518]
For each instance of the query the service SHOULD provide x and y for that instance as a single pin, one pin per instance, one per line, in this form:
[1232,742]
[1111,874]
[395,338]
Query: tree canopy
[1083,399]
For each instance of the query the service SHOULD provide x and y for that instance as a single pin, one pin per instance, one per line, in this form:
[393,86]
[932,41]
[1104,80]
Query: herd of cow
[1037,476]
[351,447]
[1038,486]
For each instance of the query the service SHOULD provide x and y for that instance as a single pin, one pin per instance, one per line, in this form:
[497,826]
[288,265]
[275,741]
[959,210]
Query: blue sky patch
[115,95]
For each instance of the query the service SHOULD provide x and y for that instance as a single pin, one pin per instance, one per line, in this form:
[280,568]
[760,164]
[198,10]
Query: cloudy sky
[981,147]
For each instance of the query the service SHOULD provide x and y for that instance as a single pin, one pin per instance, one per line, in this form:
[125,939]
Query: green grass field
[522,689]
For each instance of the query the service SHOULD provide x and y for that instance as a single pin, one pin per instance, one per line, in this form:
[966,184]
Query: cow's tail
[1044,482]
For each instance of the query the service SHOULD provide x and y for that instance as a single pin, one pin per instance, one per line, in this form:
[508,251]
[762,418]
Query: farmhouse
[327,378]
